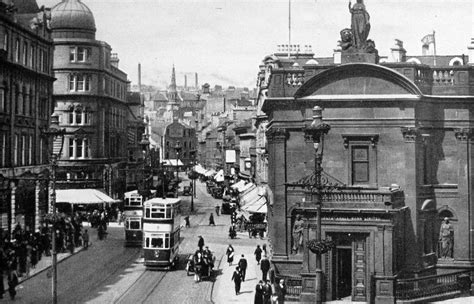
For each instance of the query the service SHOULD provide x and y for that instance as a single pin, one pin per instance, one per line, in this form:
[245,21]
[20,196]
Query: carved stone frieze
[409,133]
[463,134]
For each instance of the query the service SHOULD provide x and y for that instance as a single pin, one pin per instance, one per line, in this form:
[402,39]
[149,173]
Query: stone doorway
[347,267]
[343,272]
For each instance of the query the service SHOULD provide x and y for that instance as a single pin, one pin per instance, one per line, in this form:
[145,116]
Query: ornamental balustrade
[428,288]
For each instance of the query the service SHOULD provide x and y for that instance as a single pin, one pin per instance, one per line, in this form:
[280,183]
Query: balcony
[384,198]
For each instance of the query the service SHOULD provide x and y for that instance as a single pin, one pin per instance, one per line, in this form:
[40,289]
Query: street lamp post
[53,133]
[177,148]
[316,132]
[145,145]
[193,174]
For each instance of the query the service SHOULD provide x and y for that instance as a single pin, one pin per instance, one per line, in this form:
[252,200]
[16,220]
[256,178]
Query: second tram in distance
[161,232]
[133,214]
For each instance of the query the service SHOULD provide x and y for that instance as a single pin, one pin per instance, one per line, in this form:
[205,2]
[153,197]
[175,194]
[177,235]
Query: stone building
[26,87]
[182,136]
[90,96]
[397,162]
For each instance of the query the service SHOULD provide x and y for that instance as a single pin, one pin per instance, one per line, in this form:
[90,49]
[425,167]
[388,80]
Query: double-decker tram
[161,231]
[133,215]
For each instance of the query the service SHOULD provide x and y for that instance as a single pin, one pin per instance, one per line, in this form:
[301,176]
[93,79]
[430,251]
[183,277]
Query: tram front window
[135,225]
[157,243]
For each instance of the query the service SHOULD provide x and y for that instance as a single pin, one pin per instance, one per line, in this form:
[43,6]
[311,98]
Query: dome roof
[72,14]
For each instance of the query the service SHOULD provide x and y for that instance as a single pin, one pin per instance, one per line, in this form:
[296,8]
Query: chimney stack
[197,83]
[185,81]
[140,78]
[398,52]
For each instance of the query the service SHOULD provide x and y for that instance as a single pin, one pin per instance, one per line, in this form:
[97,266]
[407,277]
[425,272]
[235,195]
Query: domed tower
[72,19]
[90,99]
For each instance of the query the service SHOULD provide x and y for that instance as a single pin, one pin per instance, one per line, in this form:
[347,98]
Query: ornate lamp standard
[145,145]
[55,144]
[316,132]
[193,177]
[177,148]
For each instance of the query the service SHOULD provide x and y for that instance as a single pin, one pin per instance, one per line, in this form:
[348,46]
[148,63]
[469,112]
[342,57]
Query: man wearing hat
[200,243]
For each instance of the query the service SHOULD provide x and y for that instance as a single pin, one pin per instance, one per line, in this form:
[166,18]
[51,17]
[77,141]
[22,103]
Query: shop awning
[83,196]
[246,187]
[172,163]
[249,196]
[257,206]
[210,173]
[238,185]
[219,177]
[199,169]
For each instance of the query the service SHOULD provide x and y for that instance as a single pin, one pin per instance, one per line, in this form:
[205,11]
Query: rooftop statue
[360,24]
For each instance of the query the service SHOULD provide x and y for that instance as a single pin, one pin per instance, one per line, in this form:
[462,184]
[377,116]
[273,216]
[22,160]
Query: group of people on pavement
[264,292]
[21,250]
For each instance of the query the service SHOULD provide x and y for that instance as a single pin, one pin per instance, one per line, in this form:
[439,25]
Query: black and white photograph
[236,151]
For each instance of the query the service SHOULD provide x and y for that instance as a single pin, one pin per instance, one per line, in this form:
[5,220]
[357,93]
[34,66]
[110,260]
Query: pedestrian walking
[232,233]
[186,221]
[243,267]
[280,290]
[258,254]
[258,298]
[217,209]
[230,254]
[200,243]
[264,249]
[85,239]
[12,280]
[265,267]
[237,280]
[211,220]
[267,292]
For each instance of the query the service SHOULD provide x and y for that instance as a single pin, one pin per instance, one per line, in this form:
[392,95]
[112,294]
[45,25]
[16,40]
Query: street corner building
[393,188]
[26,104]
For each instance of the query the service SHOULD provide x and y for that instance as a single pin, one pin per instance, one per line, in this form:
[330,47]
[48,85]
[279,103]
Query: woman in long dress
[230,254]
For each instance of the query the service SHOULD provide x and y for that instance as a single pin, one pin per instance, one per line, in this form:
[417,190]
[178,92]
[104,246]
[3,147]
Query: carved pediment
[358,79]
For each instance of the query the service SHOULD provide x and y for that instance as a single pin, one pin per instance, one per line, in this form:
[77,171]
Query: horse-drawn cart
[201,265]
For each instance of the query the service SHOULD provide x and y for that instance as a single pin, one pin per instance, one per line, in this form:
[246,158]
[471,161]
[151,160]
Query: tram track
[142,283]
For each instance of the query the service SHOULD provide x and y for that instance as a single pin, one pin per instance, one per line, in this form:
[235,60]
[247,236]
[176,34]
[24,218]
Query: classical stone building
[90,96]
[26,86]
[397,161]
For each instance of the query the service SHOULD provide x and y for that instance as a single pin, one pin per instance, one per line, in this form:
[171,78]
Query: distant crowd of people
[21,250]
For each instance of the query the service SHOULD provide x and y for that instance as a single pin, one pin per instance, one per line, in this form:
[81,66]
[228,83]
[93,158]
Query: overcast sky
[224,41]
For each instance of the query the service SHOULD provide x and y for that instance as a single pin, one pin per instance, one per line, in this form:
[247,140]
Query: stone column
[461,250]
[412,176]
[277,166]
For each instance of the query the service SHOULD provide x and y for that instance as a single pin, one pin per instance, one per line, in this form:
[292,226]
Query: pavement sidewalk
[46,261]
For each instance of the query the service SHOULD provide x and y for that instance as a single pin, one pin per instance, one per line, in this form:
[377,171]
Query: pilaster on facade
[410,134]
[276,135]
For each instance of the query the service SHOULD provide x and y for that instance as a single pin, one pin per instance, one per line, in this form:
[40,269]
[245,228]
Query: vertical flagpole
[289,27]
[434,48]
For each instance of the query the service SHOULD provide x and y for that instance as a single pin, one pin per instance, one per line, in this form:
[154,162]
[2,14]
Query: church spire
[172,92]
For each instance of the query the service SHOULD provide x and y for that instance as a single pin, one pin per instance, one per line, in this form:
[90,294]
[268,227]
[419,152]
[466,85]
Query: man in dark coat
[267,293]
[237,280]
[258,254]
[211,220]
[200,243]
[265,267]
[280,290]
[258,299]
[243,267]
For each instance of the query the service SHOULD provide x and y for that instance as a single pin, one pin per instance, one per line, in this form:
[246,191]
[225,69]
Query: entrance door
[343,272]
